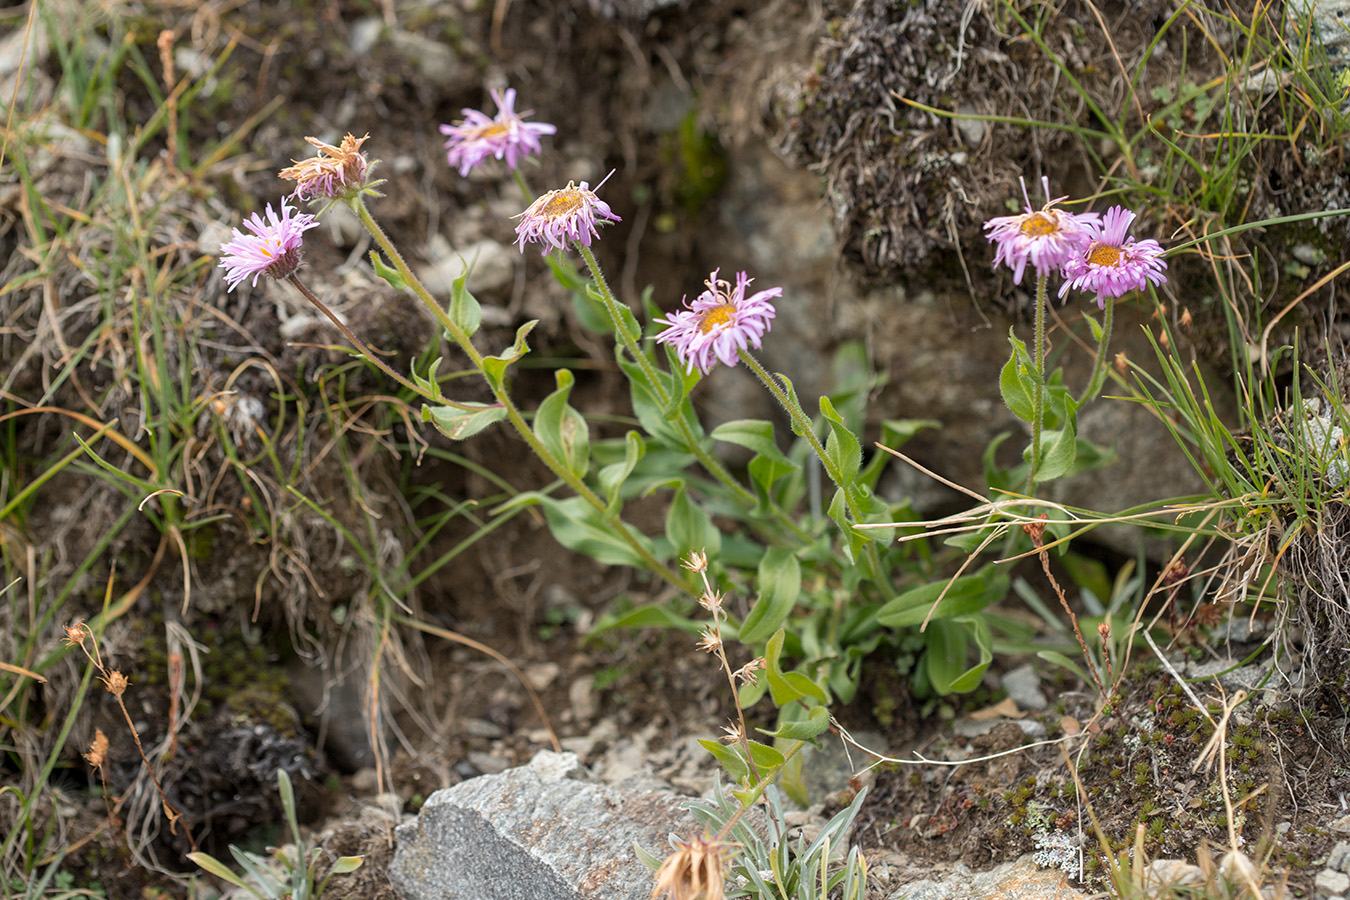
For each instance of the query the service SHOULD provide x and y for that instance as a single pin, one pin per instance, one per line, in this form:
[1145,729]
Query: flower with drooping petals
[336,172]
[508,136]
[1114,263]
[272,249]
[694,871]
[567,214]
[1047,238]
[720,323]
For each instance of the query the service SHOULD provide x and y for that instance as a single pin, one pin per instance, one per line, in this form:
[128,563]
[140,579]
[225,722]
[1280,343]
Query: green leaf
[756,435]
[1095,327]
[561,429]
[428,382]
[689,528]
[347,864]
[647,617]
[965,595]
[390,275]
[494,367]
[614,475]
[779,582]
[945,659]
[1059,449]
[220,870]
[853,539]
[764,472]
[647,405]
[785,687]
[817,721]
[464,309]
[764,756]
[578,526]
[458,424]
[842,445]
[737,770]
[1016,381]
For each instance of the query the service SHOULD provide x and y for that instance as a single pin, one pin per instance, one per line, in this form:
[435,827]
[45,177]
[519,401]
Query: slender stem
[1038,369]
[365,351]
[802,425]
[465,342]
[1099,365]
[524,188]
[758,791]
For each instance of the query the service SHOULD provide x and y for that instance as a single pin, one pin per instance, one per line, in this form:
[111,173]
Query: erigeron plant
[825,597]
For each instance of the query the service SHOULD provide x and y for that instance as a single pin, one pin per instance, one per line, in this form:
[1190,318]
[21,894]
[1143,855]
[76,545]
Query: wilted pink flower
[508,136]
[1113,263]
[1047,237]
[567,214]
[719,323]
[334,173]
[273,248]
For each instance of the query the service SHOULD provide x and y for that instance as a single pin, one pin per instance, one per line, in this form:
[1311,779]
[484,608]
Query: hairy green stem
[1099,365]
[513,415]
[1038,389]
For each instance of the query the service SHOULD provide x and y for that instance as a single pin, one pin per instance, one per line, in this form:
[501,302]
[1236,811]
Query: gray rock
[1330,883]
[1340,856]
[1019,880]
[535,833]
[1024,687]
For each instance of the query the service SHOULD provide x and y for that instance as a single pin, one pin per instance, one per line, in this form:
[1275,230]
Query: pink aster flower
[1114,263]
[1047,238]
[567,214]
[719,323]
[508,136]
[272,249]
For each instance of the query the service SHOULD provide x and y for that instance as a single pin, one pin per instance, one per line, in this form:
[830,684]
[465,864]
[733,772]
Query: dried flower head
[711,601]
[98,749]
[572,213]
[115,682]
[709,640]
[1104,631]
[732,732]
[272,249]
[336,172]
[1113,262]
[506,136]
[746,673]
[719,323]
[1047,238]
[75,634]
[693,871]
[697,561]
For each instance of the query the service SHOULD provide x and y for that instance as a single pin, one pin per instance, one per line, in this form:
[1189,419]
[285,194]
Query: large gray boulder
[536,832]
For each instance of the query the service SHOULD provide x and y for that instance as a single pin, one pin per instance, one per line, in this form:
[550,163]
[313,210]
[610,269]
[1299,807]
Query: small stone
[581,694]
[1166,873]
[971,131]
[1341,825]
[1331,883]
[1339,857]
[1308,254]
[481,728]
[1024,687]
[486,762]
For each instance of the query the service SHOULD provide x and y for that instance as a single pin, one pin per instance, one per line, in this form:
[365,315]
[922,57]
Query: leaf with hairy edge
[842,445]
[614,475]
[388,274]
[459,424]
[494,367]
[779,582]
[1016,382]
[756,435]
[786,687]
[577,525]
[563,430]
[464,309]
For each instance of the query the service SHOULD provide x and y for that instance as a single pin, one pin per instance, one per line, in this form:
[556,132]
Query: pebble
[1330,884]
[1023,685]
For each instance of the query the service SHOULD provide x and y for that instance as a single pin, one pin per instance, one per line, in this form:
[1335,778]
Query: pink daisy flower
[272,249]
[1114,263]
[567,214]
[508,136]
[719,323]
[1047,238]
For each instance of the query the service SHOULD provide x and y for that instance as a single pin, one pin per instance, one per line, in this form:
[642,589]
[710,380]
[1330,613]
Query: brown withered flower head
[115,682]
[693,871]
[709,640]
[336,173]
[98,749]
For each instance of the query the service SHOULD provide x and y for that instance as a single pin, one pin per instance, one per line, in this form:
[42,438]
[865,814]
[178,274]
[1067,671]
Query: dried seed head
[709,640]
[746,673]
[98,749]
[711,601]
[115,682]
[75,634]
[693,871]
[697,561]
[1104,631]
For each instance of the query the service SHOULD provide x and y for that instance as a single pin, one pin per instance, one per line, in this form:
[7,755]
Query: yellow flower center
[1103,255]
[1039,225]
[563,202]
[717,317]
